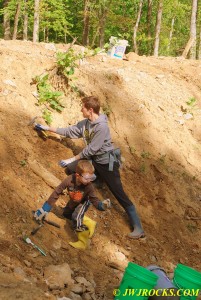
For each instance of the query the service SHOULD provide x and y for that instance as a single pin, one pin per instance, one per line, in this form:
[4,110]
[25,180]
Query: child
[81,193]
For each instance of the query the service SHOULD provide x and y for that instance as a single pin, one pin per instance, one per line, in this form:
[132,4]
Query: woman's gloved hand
[64,163]
[40,127]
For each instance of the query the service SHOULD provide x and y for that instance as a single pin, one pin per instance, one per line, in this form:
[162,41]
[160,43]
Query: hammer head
[32,121]
[42,134]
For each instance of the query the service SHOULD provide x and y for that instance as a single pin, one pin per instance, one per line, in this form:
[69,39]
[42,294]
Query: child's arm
[100,205]
[47,206]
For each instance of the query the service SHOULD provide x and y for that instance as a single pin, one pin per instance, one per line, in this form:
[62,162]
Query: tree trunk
[188,47]
[193,28]
[65,36]
[6,22]
[199,52]
[85,35]
[36,21]
[171,33]
[103,10]
[102,32]
[158,27]
[149,13]
[47,35]
[136,27]
[25,25]
[44,34]
[17,13]
[95,36]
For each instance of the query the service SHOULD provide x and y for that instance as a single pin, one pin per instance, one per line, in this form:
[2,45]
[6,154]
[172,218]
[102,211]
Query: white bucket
[117,47]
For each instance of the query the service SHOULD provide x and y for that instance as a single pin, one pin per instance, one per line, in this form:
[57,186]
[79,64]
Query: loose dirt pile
[159,135]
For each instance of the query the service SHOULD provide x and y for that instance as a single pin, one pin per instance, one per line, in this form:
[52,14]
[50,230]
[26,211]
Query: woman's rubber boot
[91,224]
[138,231]
[83,239]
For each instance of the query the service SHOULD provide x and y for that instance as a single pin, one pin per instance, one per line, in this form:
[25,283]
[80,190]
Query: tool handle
[40,250]
[52,223]
[36,229]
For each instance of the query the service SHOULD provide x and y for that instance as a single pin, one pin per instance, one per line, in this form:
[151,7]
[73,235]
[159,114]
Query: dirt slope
[145,99]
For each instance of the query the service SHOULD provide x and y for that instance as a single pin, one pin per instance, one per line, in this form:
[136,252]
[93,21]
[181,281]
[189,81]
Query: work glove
[104,205]
[64,163]
[40,127]
[42,212]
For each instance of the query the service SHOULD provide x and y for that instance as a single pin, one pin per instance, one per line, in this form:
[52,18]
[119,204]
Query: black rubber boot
[138,231]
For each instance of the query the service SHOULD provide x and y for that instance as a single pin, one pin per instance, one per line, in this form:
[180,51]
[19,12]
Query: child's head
[85,171]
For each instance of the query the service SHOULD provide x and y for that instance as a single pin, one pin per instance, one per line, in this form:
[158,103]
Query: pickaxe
[42,222]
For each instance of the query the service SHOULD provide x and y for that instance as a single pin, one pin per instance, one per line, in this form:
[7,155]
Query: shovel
[28,241]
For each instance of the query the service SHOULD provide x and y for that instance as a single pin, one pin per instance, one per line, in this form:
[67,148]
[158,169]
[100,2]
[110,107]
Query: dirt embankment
[159,135]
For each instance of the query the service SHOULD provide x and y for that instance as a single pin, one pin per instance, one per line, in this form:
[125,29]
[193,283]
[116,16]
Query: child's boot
[91,224]
[83,238]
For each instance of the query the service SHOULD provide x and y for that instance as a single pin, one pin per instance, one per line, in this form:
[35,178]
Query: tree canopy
[92,22]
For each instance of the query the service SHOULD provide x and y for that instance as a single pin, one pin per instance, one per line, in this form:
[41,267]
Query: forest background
[152,27]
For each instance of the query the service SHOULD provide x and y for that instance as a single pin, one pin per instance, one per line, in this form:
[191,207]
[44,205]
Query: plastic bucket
[117,47]
[188,281]
[165,289]
[189,270]
[137,283]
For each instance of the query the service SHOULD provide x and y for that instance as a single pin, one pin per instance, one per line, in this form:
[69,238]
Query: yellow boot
[91,224]
[83,238]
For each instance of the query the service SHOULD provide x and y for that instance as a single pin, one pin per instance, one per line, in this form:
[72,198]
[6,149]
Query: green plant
[114,41]
[47,116]
[97,50]
[107,110]
[74,87]
[108,76]
[145,154]
[142,168]
[191,227]
[191,102]
[132,150]
[192,105]
[67,62]
[162,158]
[23,163]
[106,47]
[46,93]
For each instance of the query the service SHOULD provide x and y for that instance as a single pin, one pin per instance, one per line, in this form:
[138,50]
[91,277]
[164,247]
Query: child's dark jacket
[77,193]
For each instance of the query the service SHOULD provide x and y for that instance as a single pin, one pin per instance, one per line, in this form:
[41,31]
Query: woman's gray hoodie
[96,136]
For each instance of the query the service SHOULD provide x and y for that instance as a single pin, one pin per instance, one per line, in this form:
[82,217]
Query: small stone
[27,263]
[57,245]
[188,116]
[53,254]
[82,280]
[34,254]
[120,256]
[77,289]
[86,296]
[90,289]
[75,296]
[50,47]
[9,82]
[153,258]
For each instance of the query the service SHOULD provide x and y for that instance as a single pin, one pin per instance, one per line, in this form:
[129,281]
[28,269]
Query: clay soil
[160,139]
